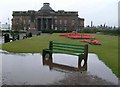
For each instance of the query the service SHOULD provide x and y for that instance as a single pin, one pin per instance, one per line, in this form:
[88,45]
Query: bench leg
[43,53]
[86,54]
[85,58]
[84,67]
[50,53]
[45,60]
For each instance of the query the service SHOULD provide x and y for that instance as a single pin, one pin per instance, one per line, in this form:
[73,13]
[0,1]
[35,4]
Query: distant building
[119,14]
[5,26]
[46,19]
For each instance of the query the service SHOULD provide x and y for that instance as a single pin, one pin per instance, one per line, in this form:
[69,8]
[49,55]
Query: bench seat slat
[71,50]
[67,46]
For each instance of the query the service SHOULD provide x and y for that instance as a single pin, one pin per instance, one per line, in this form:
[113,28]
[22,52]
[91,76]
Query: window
[24,21]
[34,21]
[55,21]
[60,28]
[55,28]
[17,20]
[65,28]
[73,22]
[65,22]
[60,21]
[21,18]
[25,28]
[29,21]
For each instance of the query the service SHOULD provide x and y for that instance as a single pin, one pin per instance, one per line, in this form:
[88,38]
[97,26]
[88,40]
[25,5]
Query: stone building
[46,19]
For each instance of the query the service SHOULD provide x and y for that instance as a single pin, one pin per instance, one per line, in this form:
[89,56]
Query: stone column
[46,23]
[41,23]
[52,24]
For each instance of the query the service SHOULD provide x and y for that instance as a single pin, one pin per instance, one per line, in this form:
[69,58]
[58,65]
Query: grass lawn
[107,52]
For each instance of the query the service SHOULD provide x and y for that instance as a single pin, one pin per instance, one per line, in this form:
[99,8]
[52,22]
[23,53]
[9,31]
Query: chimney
[46,4]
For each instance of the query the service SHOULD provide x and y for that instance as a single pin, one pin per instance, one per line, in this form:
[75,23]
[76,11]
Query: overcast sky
[98,11]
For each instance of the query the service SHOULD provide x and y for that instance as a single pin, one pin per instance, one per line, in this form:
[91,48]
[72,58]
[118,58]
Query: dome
[46,7]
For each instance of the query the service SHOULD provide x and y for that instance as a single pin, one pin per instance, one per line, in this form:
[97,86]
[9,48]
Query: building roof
[46,7]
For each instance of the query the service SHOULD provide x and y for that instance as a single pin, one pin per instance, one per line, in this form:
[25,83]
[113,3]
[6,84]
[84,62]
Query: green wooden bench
[56,47]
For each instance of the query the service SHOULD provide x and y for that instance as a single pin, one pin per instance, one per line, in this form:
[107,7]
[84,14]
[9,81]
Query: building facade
[119,14]
[46,19]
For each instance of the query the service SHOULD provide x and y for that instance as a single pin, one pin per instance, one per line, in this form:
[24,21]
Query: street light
[8,23]
[0,24]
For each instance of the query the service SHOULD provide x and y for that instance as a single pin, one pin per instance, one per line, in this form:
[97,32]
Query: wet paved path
[28,69]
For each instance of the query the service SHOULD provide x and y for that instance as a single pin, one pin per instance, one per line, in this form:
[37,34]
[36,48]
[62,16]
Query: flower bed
[77,36]
[94,42]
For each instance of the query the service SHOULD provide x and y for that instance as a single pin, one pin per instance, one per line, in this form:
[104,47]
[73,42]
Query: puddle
[98,68]
[27,70]
[30,69]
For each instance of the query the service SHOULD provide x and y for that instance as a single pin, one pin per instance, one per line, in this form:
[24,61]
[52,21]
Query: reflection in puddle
[63,67]
[29,69]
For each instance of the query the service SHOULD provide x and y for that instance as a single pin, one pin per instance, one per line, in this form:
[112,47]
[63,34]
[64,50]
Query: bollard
[6,38]
[13,38]
[38,34]
[18,37]
[30,34]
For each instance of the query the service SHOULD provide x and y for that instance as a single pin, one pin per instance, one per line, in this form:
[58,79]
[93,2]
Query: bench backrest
[73,48]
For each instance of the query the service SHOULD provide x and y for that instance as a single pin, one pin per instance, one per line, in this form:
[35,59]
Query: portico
[45,23]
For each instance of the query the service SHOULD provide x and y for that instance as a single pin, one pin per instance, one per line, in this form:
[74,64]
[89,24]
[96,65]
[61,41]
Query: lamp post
[8,23]
[0,24]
